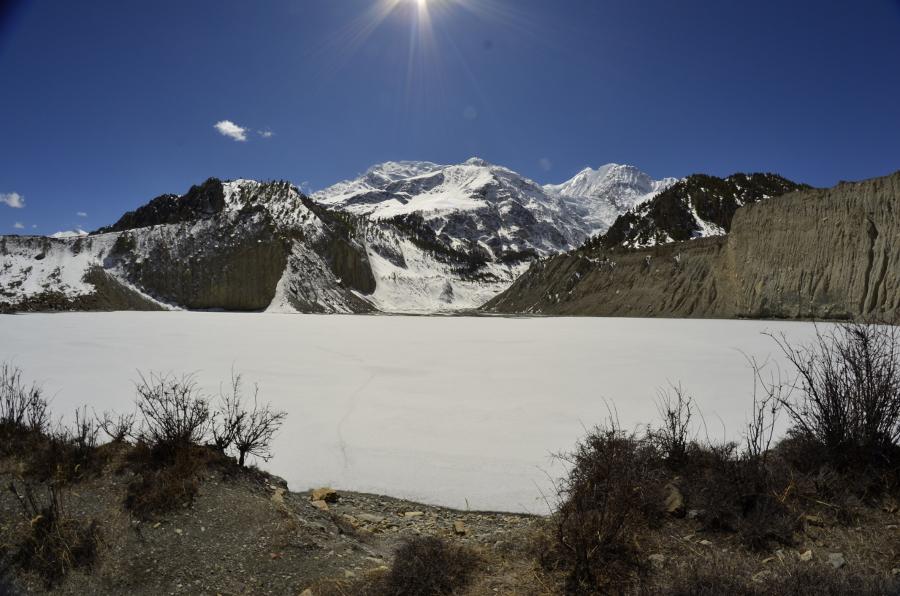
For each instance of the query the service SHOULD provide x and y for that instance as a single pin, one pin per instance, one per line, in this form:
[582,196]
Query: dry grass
[53,543]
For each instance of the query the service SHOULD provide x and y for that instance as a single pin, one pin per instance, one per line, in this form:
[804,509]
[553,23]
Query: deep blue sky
[107,103]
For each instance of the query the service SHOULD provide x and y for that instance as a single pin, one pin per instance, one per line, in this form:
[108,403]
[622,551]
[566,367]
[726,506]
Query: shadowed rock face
[811,254]
[230,265]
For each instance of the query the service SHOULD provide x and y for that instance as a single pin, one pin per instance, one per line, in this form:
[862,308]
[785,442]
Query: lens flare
[424,49]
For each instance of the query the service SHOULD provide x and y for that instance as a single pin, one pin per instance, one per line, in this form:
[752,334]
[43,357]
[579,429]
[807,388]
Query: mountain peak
[604,193]
[477,161]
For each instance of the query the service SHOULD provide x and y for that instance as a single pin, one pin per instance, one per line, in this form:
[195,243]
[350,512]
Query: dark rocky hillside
[201,200]
[697,206]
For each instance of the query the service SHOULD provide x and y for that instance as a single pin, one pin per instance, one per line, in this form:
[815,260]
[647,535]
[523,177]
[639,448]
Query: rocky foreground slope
[815,253]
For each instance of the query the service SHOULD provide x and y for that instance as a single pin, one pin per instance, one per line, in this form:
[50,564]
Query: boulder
[329,495]
[674,502]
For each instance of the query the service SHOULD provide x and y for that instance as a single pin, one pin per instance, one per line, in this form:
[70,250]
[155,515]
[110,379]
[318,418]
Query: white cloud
[12,199]
[231,130]
[19,225]
[81,214]
[266,134]
[545,164]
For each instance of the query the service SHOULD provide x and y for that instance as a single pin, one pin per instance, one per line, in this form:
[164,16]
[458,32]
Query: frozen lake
[463,412]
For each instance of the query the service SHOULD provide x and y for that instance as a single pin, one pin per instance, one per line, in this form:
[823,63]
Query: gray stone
[836,560]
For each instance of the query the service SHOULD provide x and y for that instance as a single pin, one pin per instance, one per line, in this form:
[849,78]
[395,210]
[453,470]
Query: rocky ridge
[811,254]
[697,207]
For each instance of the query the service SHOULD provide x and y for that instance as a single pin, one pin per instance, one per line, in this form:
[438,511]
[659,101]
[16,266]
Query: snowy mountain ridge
[408,236]
[604,194]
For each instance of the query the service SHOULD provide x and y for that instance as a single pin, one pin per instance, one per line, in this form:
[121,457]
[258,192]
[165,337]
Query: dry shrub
[848,392]
[244,429]
[425,566]
[715,577]
[55,543]
[429,566]
[676,432]
[166,480]
[613,490]
[175,413]
[24,412]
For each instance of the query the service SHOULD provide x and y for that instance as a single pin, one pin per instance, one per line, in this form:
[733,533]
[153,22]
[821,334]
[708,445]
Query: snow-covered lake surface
[463,412]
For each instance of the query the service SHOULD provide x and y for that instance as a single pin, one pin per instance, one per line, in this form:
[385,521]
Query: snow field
[456,411]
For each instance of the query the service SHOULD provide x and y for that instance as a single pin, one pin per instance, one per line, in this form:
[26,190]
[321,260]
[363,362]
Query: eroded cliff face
[817,254]
[820,254]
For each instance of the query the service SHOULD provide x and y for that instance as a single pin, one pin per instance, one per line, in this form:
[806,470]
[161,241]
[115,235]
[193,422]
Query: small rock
[706,543]
[460,528]
[278,496]
[322,505]
[370,518]
[349,574]
[413,514]
[351,520]
[657,560]
[674,501]
[806,557]
[306,592]
[178,531]
[696,513]
[329,495]
[895,571]
[837,560]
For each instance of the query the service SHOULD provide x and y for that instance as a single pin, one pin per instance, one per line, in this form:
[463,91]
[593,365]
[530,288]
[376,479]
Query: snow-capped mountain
[446,237]
[602,195]
[403,237]
[474,207]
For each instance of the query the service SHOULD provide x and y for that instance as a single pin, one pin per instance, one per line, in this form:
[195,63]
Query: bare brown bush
[676,411]
[612,490]
[55,543]
[23,408]
[118,428]
[429,566]
[175,413]
[245,428]
[848,391]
